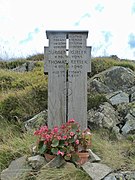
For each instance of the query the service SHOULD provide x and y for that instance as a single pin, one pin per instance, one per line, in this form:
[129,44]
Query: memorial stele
[67,62]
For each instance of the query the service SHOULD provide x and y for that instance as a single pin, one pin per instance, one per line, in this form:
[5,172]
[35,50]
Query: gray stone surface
[55,66]
[96,171]
[113,79]
[118,97]
[37,121]
[127,175]
[105,116]
[93,157]
[67,72]
[129,127]
[16,169]
[36,162]
[29,66]
[56,162]
[79,65]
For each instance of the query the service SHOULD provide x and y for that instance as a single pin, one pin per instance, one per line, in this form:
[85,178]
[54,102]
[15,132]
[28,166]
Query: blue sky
[111,25]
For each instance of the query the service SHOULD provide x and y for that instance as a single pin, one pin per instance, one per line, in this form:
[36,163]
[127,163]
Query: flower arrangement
[66,140]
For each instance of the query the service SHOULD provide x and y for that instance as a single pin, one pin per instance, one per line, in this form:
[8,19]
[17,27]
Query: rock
[130,175]
[28,66]
[16,169]
[132,97]
[36,162]
[56,162]
[105,116]
[113,79]
[37,121]
[96,171]
[129,127]
[118,97]
[115,176]
[127,175]
[97,86]
[93,156]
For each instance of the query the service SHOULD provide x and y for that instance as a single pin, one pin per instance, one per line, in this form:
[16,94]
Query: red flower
[72,133]
[55,129]
[60,153]
[77,141]
[59,137]
[64,137]
[66,143]
[71,120]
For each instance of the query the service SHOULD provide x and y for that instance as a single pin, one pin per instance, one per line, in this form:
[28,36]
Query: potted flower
[68,140]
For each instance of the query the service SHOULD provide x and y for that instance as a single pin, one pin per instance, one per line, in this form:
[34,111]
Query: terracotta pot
[49,157]
[83,157]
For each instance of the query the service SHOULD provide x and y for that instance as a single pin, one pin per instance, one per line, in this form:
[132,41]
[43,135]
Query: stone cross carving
[67,61]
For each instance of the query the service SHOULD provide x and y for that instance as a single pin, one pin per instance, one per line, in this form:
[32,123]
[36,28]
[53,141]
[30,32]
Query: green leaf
[54,150]
[67,157]
[74,128]
[61,143]
[41,143]
[55,143]
[75,157]
[42,149]
[71,140]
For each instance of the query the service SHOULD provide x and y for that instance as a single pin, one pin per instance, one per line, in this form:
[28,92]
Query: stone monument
[67,61]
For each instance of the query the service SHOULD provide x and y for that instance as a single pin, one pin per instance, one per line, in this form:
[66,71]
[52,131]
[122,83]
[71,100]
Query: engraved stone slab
[55,65]
[79,65]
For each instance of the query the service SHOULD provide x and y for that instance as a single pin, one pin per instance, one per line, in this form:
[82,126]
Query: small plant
[94,100]
[66,140]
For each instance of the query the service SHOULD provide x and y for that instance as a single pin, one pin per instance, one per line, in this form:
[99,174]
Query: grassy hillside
[23,95]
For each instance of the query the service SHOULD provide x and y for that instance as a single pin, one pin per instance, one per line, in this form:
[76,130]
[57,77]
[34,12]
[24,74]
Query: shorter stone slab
[93,156]
[56,162]
[96,171]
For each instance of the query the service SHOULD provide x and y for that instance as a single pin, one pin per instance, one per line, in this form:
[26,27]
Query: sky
[111,25]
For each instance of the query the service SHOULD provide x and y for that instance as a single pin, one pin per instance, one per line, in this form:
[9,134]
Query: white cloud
[20,18]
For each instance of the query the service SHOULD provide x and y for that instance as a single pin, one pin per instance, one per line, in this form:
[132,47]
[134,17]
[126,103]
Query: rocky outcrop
[28,66]
[104,117]
[118,86]
[114,79]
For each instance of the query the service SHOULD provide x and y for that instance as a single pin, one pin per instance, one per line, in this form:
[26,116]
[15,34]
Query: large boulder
[113,79]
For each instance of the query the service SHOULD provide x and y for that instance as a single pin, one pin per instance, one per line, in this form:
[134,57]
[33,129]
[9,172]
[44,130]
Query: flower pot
[83,157]
[49,157]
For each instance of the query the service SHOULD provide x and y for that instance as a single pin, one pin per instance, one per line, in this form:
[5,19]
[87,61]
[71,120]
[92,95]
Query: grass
[118,154]
[13,143]
[100,64]
[69,172]
[22,94]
